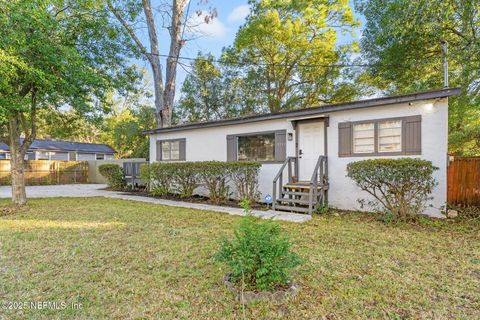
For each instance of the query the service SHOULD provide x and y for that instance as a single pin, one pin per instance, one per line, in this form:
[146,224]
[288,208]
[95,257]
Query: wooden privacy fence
[41,172]
[464,181]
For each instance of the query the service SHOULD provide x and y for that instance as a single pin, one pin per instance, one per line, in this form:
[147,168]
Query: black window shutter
[159,150]
[345,139]
[231,148]
[412,135]
[183,151]
[280,145]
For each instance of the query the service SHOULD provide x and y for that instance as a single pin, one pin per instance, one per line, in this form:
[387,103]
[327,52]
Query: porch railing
[318,184]
[278,180]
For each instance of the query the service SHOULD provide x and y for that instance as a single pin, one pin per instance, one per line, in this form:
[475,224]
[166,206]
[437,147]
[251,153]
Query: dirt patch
[276,296]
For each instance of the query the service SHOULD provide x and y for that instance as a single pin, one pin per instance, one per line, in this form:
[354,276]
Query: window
[3,156]
[59,156]
[364,138]
[43,155]
[100,156]
[259,147]
[390,136]
[380,137]
[171,150]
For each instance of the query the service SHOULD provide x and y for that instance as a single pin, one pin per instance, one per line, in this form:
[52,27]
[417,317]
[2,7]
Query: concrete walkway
[94,190]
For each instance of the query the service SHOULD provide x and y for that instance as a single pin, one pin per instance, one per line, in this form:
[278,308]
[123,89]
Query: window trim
[180,140]
[375,136]
[401,135]
[274,132]
[376,153]
[237,136]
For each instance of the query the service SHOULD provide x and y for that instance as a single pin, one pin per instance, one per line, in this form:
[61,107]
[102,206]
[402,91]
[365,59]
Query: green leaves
[400,187]
[403,39]
[211,91]
[68,52]
[183,177]
[260,255]
[114,175]
[288,44]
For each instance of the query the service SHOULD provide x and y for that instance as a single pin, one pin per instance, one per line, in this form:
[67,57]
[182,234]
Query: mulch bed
[197,199]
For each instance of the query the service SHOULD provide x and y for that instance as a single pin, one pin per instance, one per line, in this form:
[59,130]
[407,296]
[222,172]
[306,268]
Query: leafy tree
[402,39]
[125,131]
[67,125]
[54,53]
[211,92]
[288,48]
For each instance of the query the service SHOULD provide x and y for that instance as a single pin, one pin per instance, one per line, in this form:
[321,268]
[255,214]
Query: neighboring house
[317,144]
[63,150]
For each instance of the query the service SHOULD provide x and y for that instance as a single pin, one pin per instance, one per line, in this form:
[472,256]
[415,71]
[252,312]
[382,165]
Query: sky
[214,36]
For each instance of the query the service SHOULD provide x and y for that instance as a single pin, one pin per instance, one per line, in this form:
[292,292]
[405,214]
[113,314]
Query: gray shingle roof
[58,145]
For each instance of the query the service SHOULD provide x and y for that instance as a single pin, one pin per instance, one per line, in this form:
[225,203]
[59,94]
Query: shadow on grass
[53,224]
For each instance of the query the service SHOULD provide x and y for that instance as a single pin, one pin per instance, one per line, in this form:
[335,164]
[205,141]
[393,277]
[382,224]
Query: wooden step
[299,186]
[296,193]
[299,201]
[291,208]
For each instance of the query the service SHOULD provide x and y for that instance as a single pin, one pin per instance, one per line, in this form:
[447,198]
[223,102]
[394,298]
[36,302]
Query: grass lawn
[131,260]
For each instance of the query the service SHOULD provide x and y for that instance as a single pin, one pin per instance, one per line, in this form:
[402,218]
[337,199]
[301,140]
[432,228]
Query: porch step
[295,201]
[291,208]
[296,193]
[297,185]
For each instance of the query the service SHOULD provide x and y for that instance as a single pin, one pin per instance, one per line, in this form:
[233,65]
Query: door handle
[300,152]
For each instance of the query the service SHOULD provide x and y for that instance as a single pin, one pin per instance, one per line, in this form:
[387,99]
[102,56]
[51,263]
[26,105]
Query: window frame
[280,149]
[401,136]
[179,140]
[376,152]
[374,137]
[263,133]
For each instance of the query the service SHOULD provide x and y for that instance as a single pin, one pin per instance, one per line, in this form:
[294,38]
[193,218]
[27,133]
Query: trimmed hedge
[400,187]
[114,175]
[182,178]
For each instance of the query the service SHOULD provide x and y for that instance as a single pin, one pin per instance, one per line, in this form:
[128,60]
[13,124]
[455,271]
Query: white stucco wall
[210,144]
[344,194]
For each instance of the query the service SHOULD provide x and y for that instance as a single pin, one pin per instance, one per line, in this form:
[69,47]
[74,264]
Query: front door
[311,145]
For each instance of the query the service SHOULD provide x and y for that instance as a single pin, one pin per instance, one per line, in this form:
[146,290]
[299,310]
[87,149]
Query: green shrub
[114,175]
[216,176]
[159,178]
[186,177]
[260,256]
[183,178]
[245,178]
[400,187]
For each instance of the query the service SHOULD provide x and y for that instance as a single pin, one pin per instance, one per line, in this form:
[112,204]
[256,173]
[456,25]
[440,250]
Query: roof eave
[443,93]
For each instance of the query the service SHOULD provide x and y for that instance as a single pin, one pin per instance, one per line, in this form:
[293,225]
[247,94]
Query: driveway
[94,190]
[67,190]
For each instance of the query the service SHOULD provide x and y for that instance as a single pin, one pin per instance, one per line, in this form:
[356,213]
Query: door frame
[295,123]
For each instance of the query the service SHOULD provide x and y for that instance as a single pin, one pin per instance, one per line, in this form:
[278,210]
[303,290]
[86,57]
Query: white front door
[311,145]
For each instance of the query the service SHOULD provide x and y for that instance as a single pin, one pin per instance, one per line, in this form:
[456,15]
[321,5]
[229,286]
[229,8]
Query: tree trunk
[154,59]
[17,162]
[176,44]
[164,95]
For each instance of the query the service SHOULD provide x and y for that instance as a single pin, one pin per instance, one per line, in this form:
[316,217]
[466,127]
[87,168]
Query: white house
[310,148]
